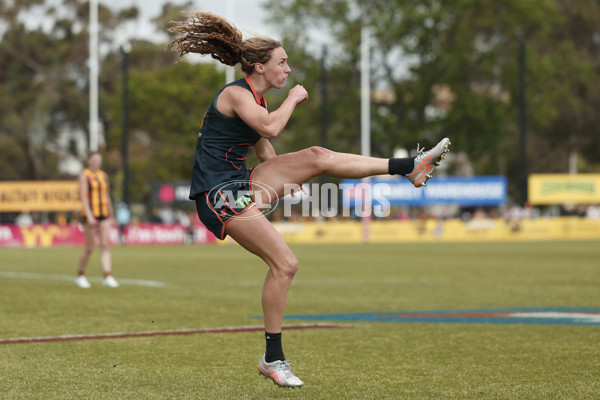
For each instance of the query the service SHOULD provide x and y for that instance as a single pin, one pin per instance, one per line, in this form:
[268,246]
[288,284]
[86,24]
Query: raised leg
[299,167]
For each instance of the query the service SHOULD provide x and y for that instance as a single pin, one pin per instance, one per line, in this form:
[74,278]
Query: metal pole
[523,120]
[230,71]
[573,162]
[365,123]
[125,49]
[324,120]
[365,92]
[94,72]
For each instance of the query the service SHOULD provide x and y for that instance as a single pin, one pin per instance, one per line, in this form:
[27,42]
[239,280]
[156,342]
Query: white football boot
[82,282]
[110,282]
[280,372]
[426,161]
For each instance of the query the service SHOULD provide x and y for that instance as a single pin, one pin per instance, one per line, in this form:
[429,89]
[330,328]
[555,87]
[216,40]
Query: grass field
[220,286]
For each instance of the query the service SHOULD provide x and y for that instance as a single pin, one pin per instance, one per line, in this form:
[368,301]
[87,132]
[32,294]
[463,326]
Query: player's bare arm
[264,150]
[235,101]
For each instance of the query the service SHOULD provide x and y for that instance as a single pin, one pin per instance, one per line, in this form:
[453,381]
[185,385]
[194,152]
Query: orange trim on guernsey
[238,159]
[261,101]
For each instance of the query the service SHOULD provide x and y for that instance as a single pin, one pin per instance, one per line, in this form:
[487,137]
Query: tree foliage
[44,89]
[439,68]
[43,78]
[466,50]
[167,104]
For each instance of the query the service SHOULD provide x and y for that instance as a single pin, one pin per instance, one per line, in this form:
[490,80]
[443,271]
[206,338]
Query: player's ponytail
[208,34]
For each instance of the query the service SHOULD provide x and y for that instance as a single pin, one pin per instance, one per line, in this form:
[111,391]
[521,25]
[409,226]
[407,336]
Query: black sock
[274,350]
[401,166]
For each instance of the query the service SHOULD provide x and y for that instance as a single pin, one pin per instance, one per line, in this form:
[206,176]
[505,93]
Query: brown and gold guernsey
[97,189]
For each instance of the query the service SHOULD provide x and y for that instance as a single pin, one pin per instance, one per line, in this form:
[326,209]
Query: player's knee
[288,266]
[318,158]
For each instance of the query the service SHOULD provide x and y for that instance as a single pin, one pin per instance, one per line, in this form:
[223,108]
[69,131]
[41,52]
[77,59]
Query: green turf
[219,286]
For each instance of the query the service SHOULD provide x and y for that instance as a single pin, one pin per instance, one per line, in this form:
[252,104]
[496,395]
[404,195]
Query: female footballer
[227,193]
[97,218]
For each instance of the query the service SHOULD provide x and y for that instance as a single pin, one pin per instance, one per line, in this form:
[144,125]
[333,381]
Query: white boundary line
[71,278]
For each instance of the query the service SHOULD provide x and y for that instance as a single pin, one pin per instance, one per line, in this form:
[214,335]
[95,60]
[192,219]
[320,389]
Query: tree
[44,90]
[576,129]
[468,50]
[168,102]
[23,88]
[43,76]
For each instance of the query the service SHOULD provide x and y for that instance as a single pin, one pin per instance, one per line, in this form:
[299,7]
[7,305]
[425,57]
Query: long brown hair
[207,33]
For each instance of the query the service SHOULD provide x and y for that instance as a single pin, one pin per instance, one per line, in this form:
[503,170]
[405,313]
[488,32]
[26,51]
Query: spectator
[24,219]
[123,216]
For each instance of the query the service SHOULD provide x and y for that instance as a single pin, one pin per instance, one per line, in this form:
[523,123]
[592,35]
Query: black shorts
[220,205]
[83,218]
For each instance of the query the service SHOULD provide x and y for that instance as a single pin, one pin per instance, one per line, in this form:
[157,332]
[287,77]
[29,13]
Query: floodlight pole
[230,70]
[125,50]
[365,92]
[523,120]
[324,121]
[324,117]
[365,123]
[94,72]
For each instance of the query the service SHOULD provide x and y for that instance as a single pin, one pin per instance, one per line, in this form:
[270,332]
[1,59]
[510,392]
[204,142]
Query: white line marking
[71,278]
[576,316]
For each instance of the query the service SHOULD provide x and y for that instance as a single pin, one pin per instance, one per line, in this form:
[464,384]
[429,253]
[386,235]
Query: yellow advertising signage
[39,196]
[564,188]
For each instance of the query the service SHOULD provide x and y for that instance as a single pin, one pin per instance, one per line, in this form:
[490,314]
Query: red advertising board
[140,234]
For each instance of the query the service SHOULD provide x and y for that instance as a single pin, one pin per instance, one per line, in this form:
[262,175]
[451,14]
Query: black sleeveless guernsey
[222,146]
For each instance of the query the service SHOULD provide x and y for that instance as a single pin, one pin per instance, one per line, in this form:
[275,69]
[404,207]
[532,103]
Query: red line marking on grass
[67,338]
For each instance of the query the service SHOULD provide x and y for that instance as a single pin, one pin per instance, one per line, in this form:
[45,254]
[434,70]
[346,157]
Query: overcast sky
[248,15]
